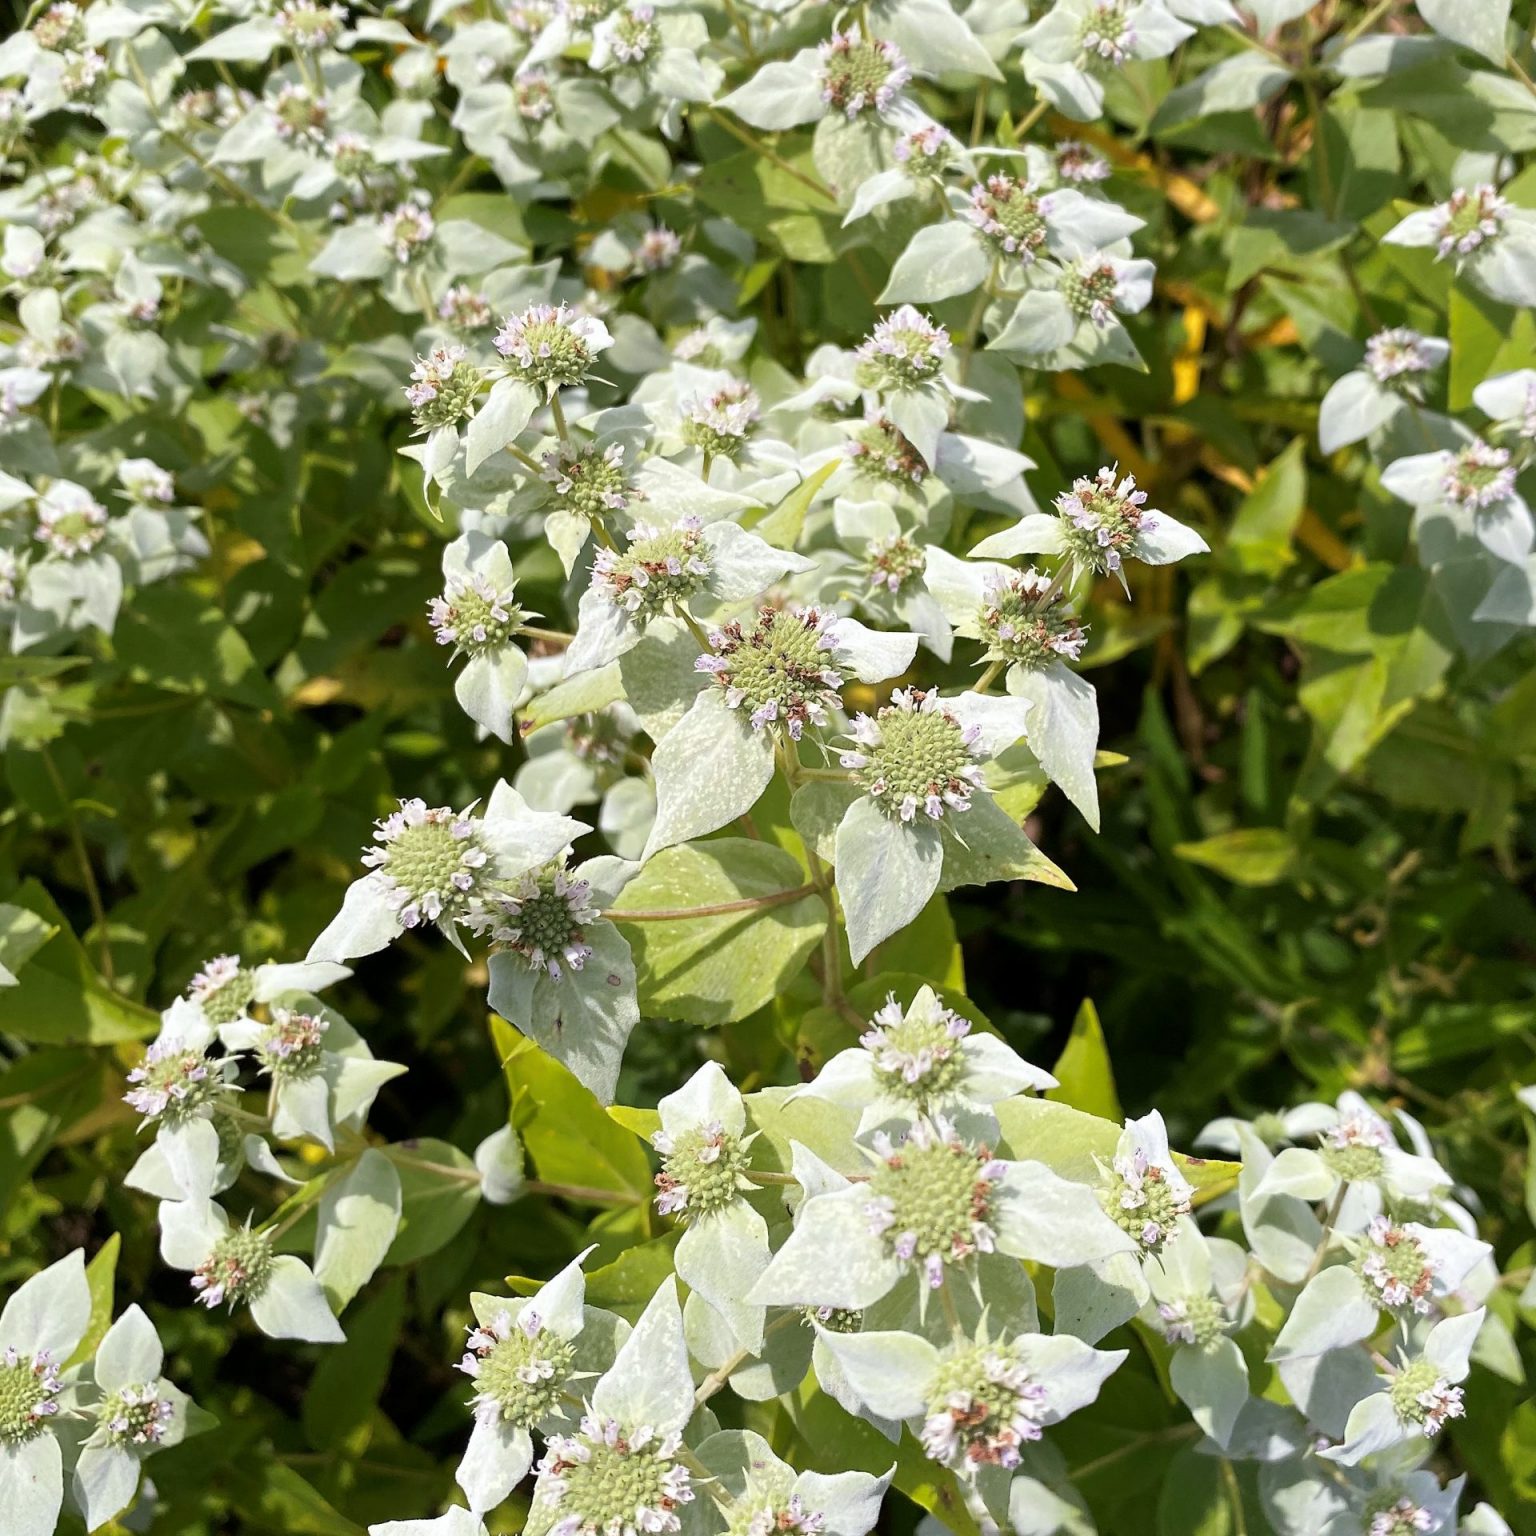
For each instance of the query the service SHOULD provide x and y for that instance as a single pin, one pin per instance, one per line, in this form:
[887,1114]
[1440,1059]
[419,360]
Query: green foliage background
[1313,874]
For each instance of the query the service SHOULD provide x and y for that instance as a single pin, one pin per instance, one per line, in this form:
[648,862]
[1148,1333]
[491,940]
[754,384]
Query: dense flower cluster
[698,323]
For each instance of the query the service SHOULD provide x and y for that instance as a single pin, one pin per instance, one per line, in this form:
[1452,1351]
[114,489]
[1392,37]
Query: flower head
[1394,356]
[60,27]
[1094,289]
[70,521]
[720,423]
[703,1169]
[136,1416]
[430,858]
[292,1046]
[551,344]
[1102,519]
[175,1082]
[1394,1264]
[236,1268]
[1143,1193]
[464,309]
[542,917]
[1479,476]
[1399,1516]
[914,755]
[29,1391]
[781,666]
[474,615]
[905,349]
[926,150]
[930,1198]
[1107,33]
[860,73]
[1197,1319]
[1468,220]
[590,481]
[663,567]
[660,247]
[1353,1146]
[1077,163]
[893,562]
[407,229]
[223,989]
[632,37]
[520,1369]
[298,115]
[533,95]
[982,1406]
[1023,621]
[607,1480]
[144,481]
[917,1053]
[443,388]
[310,26]
[1011,215]
[1421,1396]
[880,451]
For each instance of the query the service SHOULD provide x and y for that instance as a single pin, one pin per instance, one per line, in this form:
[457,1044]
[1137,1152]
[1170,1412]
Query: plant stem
[585,1194]
[83,858]
[752,142]
[1328,1224]
[987,678]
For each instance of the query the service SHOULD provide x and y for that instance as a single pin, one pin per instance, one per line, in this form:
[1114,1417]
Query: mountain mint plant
[635,491]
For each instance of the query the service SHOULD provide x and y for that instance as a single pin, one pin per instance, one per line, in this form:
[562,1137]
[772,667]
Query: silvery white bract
[1143,1189]
[688,568]
[924,1058]
[225,989]
[1301,1123]
[134,1411]
[431,864]
[1072,319]
[1421,1391]
[1406,1269]
[974,1403]
[932,1200]
[1027,629]
[1389,381]
[321,1074]
[477,615]
[184,1092]
[851,73]
[1199,1298]
[1358,1149]
[1474,489]
[770,675]
[1006,224]
[705,1155]
[768,1494]
[1509,401]
[42,1323]
[521,1357]
[559,970]
[231,1265]
[1096,526]
[1077,42]
[883,574]
[455,1522]
[627,1448]
[921,814]
[1490,241]
[582,760]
